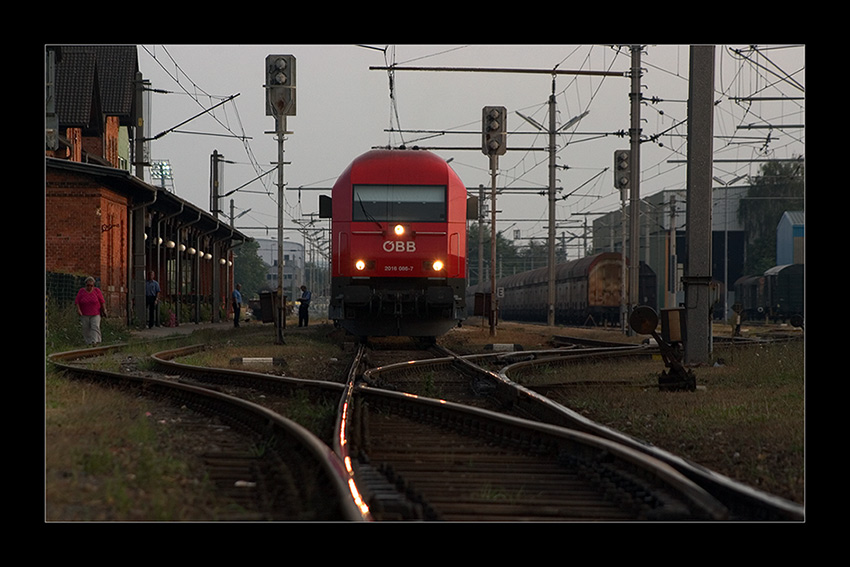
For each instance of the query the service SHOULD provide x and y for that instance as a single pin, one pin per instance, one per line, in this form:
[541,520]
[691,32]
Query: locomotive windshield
[396,203]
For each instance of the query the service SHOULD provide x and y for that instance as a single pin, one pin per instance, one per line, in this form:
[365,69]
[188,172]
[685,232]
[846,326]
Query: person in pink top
[90,306]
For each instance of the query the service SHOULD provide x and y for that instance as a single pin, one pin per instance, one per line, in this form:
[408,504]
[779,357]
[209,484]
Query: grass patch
[746,420]
[310,354]
[111,456]
[63,330]
[108,458]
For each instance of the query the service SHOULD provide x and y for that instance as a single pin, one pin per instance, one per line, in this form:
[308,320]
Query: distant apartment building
[293,264]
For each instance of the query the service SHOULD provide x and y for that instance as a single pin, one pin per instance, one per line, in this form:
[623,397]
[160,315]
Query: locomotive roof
[401,153]
[394,163]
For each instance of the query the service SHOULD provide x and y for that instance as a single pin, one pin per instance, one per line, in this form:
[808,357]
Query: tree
[507,258]
[780,187]
[249,269]
[534,255]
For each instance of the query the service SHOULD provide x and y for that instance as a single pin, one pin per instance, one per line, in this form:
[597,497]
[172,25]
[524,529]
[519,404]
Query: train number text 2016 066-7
[398,268]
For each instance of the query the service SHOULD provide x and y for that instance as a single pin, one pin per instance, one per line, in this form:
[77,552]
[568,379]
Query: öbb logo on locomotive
[399,246]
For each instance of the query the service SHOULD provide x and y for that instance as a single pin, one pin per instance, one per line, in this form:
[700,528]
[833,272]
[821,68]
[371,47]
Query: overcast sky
[344,108]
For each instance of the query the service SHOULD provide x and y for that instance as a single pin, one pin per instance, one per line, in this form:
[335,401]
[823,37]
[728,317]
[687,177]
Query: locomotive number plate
[398,268]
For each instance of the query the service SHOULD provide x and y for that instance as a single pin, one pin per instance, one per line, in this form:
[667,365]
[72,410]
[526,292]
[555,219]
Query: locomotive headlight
[360,265]
[399,230]
[438,265]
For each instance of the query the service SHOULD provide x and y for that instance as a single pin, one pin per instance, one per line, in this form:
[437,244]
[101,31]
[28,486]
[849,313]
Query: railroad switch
[644,321]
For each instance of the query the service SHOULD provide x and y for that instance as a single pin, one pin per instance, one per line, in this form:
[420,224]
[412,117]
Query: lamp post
[161,170]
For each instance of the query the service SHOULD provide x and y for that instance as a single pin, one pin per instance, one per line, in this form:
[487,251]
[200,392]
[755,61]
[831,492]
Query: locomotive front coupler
[644,321]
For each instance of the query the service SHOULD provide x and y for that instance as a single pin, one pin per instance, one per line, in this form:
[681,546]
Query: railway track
[458,463]
[742,501]
[416,457]
[274,468]
[447,379]
[448,437]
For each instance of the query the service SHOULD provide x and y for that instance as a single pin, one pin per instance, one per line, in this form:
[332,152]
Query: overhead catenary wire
[177,76]
[582,91]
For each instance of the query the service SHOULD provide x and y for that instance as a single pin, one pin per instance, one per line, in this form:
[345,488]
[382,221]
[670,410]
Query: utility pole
[697,277]
[552,131]
[550,312]
[634,205]
[137,214]
[480,278]
[623,182]
[280,103]
[494,167]
[216,182]
[672,262]
[624,271]
[280,321]
[494,133]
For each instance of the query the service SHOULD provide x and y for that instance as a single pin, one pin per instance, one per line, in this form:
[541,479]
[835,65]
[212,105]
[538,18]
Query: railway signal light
[622,169]
[280,85]
[494,132]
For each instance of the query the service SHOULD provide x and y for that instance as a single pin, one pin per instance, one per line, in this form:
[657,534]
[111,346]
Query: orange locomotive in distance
[398,245]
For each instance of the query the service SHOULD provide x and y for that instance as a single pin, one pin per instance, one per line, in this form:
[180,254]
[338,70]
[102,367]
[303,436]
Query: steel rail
[743,500]
[547,438]
[241,413]
[342,431]
[165,362]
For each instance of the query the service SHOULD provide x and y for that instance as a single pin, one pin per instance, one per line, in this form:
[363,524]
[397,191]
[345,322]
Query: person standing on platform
[151,298]
[304,309]
[90,306]
[237,304]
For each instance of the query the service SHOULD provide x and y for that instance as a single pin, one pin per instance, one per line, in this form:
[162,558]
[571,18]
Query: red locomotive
[398,245]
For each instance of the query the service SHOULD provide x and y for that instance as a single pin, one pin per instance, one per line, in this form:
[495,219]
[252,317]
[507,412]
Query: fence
[61,289]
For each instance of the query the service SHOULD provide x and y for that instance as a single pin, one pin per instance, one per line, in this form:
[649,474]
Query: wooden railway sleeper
[628,489]
[389,495]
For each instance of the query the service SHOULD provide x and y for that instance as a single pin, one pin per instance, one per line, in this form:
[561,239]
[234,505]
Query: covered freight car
[750,296]
[587,291]
[784,285]
[778,294]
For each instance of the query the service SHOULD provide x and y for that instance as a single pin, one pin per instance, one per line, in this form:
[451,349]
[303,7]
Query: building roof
[90,75]
[77,92]
[155,198]
[796,218]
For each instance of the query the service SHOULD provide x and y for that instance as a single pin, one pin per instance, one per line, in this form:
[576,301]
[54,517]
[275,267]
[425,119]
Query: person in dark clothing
[237,304]
[304,310]
[151,298]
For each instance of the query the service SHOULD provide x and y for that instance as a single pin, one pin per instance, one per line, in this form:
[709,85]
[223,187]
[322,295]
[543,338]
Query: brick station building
[103,221]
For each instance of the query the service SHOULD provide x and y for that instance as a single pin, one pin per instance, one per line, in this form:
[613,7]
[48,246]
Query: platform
[183,329]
